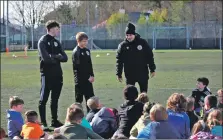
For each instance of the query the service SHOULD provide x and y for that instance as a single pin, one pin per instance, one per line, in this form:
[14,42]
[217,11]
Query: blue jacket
[15,123]
[181,122]
[159,130]
[104,123]
[91,114]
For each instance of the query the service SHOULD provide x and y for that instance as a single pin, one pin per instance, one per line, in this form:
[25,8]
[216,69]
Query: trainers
[44,127]
[56,124]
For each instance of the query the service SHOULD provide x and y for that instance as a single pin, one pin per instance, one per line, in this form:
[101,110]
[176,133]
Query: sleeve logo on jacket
[55,44]
[139,47]
[87,52]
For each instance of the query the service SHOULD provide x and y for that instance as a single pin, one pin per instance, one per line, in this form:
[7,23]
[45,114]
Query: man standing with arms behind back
[136,56]
[51,54]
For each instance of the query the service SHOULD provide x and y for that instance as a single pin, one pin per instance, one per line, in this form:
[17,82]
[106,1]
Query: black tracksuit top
[136,57]
[82,65]
[48,46]
[199,96]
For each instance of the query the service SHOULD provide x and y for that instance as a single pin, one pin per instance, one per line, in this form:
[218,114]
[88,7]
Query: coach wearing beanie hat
[130,29]
[135,55]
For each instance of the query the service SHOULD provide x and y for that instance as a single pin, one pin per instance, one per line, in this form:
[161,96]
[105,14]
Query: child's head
[177,102]
[31,116]
[16,103]
[76,105]
[93,103]
[220,96]
[210,101]
[143,98]
[202,82]
[212,123]
[215,114]
[190,104]
[130,93]
[56,136]
[71,107]
[158,113]
[147,107]
[82,39]
[200,126]
[75,115]
[2,134]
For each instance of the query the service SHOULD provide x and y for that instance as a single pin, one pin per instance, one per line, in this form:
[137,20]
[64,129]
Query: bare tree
[29,14]
[31,11]
[68,11]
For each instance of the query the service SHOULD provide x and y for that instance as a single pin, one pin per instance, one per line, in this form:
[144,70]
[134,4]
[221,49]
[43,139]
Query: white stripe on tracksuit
[42,88]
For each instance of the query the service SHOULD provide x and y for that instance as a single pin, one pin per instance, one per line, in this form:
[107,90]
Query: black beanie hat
[130,29]
[130,92]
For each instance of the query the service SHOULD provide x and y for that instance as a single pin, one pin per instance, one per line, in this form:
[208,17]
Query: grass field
[177,71]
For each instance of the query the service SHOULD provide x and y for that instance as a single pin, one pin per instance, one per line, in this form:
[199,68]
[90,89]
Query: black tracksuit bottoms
[54,85]
[83,89]
[143,83]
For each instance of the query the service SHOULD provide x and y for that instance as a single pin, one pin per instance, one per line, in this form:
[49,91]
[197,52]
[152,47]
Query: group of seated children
[198,116]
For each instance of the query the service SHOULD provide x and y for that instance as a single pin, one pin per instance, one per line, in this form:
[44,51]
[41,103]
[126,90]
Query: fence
[197,35]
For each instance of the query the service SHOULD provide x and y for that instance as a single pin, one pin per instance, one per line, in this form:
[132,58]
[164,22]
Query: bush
[114,20]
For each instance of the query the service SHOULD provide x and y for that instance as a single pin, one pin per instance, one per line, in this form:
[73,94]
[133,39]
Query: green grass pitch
[177,71]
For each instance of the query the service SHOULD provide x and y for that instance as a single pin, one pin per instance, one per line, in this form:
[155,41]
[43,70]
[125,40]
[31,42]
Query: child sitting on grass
[199,126]
[215,127]
[217,115]
[129,112]
[202,130]
[32,129]
[190,112]
[210,103]
[72,129]
[14,116]
[200,93]
[176,110]
[159,127]
[84,122]
[95,106]
[142,122]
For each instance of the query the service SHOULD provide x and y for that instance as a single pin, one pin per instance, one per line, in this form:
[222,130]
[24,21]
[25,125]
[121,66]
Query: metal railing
[190,32]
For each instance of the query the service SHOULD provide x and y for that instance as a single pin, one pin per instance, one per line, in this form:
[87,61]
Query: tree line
[38,12]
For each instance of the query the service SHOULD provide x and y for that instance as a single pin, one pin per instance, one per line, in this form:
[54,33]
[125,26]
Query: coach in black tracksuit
[82,69]
[136,56]
[51,54]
